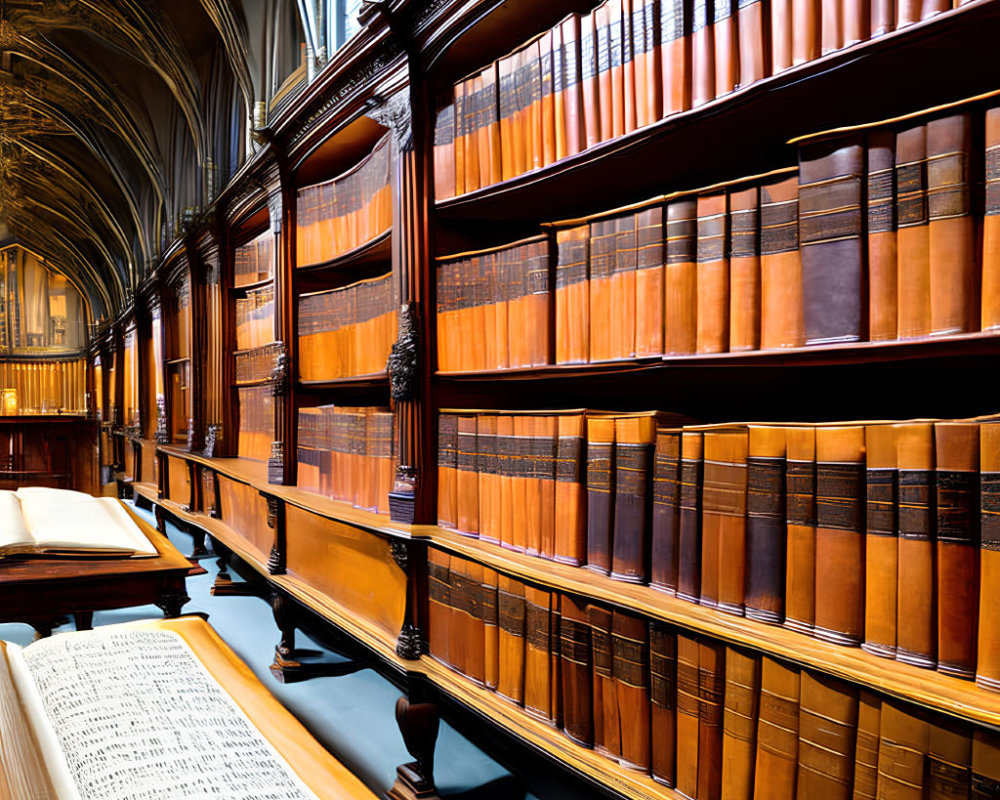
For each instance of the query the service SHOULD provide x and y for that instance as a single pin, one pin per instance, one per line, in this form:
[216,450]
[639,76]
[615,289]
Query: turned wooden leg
[161,520]
[171,601]
[84,620]
[419,723]
[286,667]
[199,551]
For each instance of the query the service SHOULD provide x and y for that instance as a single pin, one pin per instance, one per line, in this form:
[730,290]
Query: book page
[59,518]
[138,717]
[12,526]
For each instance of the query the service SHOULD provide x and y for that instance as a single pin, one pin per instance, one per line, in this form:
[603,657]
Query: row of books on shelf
[342,214]
[883,234]
[709,719]
[255,318]
[348,331]
[346,453]
[254,261]
[256,422]
[258,364]
[879,534]
[627,64]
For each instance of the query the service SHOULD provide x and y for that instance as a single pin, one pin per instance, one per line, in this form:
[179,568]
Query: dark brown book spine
[711,693]
[576,670]
[686,764]
[912,235]
[766,534]
[600,493]
[630,647]
[630,541]
[689,536]
[739,724]
[607,732]
[828,717]
[666,511]
[662,695]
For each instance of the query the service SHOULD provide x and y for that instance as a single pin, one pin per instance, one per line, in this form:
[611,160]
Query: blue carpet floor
[352,714]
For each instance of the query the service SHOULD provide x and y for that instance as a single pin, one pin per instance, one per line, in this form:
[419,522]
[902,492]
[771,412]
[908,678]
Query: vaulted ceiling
[118,116]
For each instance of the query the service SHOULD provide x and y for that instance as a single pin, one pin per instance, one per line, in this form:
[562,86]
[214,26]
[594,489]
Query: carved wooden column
[210,306]
[199,350]
[278,466]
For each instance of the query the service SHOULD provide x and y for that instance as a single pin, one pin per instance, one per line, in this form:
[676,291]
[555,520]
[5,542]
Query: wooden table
[42,591]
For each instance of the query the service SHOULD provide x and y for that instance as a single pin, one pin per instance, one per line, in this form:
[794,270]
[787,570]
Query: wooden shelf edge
[372,250]
[373,380]
[246,287]
[929,688]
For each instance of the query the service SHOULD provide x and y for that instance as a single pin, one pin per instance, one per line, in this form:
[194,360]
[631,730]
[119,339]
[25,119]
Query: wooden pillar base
[410,786]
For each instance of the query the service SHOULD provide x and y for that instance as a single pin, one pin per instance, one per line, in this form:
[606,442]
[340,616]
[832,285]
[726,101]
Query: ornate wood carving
[281,379]
[276,463]
[213,433]
[400,553]
[162,435]
[411,643]
[393,113]
[404,359]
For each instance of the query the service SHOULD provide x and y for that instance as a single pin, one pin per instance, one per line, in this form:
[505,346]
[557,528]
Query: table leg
[171,601]
[84,620]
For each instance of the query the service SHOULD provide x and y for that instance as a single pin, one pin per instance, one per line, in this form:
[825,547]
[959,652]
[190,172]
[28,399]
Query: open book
[37,521]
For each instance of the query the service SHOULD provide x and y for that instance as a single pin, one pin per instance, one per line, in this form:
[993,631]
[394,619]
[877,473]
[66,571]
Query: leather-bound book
[572,295]
[766,528]
[646,53]
[902,752]
[755,58]
[533,106]
[603,242]
[555,671]
[628,65]
[777,732]
[623,289]
[530,540]
[831,27]
[467,481]
[675,55]
[491,628]
[605,92]
[650,253]
[954,279]
[568,98]
[447,469]
[744,269]
[489,482]
[687,715]
[663,703]
[800,516]
[570,491]
[985,765]
[840,546]
[589,86]
[956,488]
[459,628]
[739,724]
[828,718]
[949,759]
[439,604]
[630,649]
[635,438]
[806,15]
[991,225]
[547,102]
[689,533]
[881,544]
[913,235]
[444,153]
[711,693]
[616,68]
[907,12]
[521,106]
[460,135]
[882,302]
[883,17]
[727,57]
[600,492]
[472,120]
[867,746]
[702,53]
[857,21]
[475,623]
[490,156]
[524,490]
[988,664]
[506,460]
[507,106]
[723,519]
[781,313]
[607,732]
[713,275]
[782,35]
[830,225]
[537,648]
[538,303]
[576,668]
[916,636]
[511,606]
[547,436]
[680,279]
[665,535]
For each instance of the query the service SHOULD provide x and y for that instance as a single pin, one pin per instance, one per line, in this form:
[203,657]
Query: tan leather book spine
[444,154]
[473,90]
[663,702]
[831,25]
[828,717]
[782,35]
[589,85]
[867,747]
[739,724]
[491,628]
[506,103]
[635,438]
[985,765]
[689,535]
[727,57]
[881,543]
[806,15]
[912,237]
[916,637]
[990,317]
[547,110]
[555,673]
[687,716]
[782,322]
[600,492]
[988,664]
[459,629]
[537,646]
[547,435]
[883,17]
[576,670]
[902,752]
[506,462]
[603,241]
[744,269]
[949,759]
[490,156]
[489,495]
[605,75]
[664,549]
[702,53]
[954,279]
[572,295]
[525,488]
[630,646]
[617,10]
[777,732]
[560,116]
[460,136]
[534,132]
[713,274]
[475,624]
[489,346]
[650,255]
[754,49]
[711,690]
[675,55]
[623,294]
[607,730]
[439,604]
[956,485]
[723,521]
[840,453]
[503,297]
[646,53]
[571,491]
[630,96]
[680,278]
[573,115]
[882,257]
[447,466]
[467,481]
[857,21]
[522,112]
[908,12]
[511,604]
[766,526]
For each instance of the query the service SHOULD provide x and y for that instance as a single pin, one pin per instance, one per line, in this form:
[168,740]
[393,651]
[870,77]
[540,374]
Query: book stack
[346,453]
[493,307]
[256,422]
[258,364]
[348,331]
[697,714]
[254,261]
[342,214]
[255,318]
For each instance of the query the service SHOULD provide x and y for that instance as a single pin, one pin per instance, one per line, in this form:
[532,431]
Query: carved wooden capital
[393,112]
